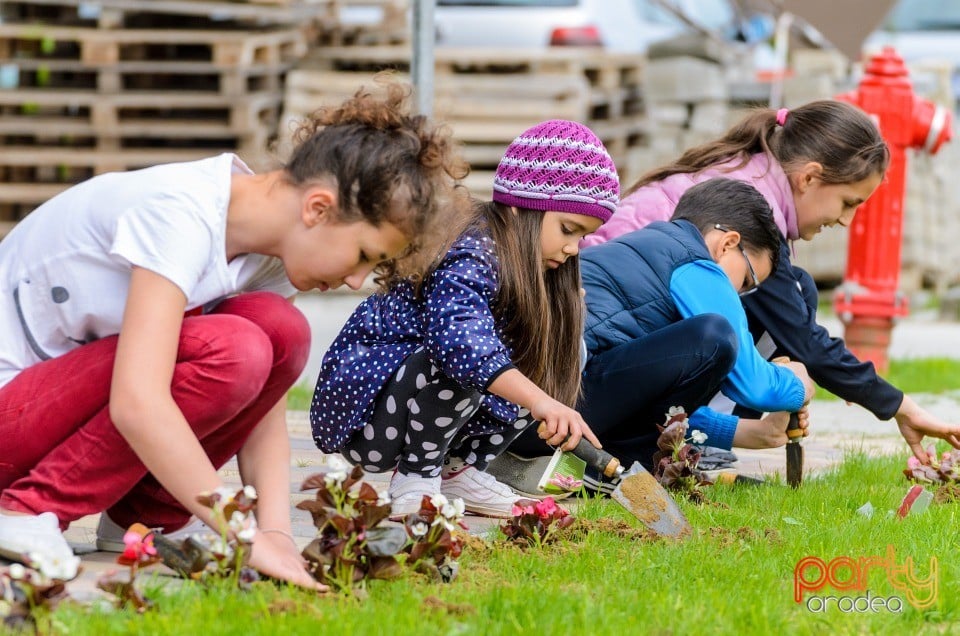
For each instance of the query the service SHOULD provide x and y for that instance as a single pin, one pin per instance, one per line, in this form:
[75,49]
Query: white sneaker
[482,494]
[36,541]
[407,491]
[110,535]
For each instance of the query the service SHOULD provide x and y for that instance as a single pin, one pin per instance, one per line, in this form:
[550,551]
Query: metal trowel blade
[643,496]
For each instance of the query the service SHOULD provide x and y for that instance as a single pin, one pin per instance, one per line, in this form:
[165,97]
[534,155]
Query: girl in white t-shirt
[145,337]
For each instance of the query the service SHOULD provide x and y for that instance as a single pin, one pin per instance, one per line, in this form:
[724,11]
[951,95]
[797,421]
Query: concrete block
[833,64]
[709,117]
[663,113]
[683,79]
[802,89]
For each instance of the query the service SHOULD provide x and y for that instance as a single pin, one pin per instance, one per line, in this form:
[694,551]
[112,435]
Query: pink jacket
[656,201]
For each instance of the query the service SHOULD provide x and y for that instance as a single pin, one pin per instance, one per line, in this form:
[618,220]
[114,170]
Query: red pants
[60,453]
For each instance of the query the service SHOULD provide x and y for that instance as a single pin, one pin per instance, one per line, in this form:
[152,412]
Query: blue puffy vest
[627,281]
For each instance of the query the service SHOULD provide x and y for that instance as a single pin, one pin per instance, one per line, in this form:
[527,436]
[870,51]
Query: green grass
[734,575]
[299,397]
[917,375]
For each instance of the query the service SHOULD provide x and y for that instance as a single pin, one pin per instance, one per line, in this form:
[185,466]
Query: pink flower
[136,547]
[516,511]
[546,508]
[913,463]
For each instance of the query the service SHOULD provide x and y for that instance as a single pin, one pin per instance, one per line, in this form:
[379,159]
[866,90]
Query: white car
[627,26]
[922,30]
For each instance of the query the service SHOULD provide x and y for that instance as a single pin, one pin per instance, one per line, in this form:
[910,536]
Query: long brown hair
[542,312]
[837,135]
[376,152]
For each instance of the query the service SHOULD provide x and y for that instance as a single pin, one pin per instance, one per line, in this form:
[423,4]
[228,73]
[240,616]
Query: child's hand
[277,556]
[560,421]
[769,432]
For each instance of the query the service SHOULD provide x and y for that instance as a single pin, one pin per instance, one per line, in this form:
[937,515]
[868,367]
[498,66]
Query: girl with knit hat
[435,378]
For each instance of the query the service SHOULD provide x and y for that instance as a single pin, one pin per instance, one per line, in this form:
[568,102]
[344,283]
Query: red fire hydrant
[868,300]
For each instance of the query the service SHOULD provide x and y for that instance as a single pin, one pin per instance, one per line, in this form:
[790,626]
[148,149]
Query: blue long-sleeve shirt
[702,287]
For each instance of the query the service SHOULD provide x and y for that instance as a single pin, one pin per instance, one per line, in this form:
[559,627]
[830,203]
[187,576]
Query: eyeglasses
[753,274]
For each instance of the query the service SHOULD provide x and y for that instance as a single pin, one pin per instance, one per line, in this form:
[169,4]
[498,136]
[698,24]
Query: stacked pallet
[488,97]
[92,87]
[687,103]
[364,23]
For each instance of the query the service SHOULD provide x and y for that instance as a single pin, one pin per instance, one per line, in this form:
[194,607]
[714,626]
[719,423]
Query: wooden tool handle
[596,457]
[794,432]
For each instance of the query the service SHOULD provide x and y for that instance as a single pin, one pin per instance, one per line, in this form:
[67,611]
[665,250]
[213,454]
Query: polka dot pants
[419,418]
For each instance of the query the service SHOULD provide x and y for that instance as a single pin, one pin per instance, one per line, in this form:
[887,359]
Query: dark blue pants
[628,390]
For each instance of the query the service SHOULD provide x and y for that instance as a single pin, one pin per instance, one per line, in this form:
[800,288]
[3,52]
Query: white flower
[334,478]
[440,520]
[237,522]
[698,437]
[383,499]
[16,571]
[246,535]
[419,529]
[63,567]
[459,506]
[250,492]
[672,413]
[438,501]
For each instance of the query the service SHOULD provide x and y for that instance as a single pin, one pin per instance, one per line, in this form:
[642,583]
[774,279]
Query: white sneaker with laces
[482,494]
[36,541]
[110,534]
[407,491]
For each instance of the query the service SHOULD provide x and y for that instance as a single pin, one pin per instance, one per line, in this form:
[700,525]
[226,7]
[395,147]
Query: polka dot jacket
[453,320]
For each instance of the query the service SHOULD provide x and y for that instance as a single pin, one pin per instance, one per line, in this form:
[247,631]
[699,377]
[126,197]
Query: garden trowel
[794,452]
[639,492]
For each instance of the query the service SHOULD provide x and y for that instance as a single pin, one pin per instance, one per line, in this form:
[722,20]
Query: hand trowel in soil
[794,452]
[638,491]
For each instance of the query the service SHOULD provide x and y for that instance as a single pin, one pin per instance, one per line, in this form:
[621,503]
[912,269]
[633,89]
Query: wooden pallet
[109,14]
[114,114]
[390,28]
[600,68]
[489,97]
[104,47]
[160,76]
[611,83]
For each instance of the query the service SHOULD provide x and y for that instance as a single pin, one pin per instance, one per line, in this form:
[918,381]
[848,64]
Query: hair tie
[782,116]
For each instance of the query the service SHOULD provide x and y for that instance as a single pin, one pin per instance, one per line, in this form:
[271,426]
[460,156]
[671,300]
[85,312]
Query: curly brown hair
[388,166]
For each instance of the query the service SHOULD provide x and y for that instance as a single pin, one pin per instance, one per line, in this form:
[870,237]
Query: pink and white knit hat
[561,166]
